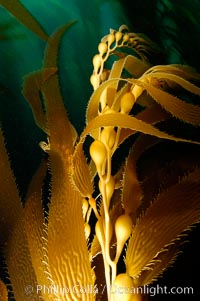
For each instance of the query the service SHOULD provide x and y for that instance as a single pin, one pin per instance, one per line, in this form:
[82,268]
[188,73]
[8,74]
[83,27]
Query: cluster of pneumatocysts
[108,45]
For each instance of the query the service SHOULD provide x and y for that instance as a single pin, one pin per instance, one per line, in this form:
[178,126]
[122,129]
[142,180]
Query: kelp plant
[105,233]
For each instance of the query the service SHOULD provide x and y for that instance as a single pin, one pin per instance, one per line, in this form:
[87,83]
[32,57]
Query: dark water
[174,25]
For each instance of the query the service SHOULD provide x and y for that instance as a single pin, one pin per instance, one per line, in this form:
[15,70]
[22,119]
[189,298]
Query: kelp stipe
[55,256]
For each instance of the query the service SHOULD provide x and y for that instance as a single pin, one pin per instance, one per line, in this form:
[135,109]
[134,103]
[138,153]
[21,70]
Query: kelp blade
[3,292]
[36,230]
[9,211]
[168,216]
[67,248]
[129,122]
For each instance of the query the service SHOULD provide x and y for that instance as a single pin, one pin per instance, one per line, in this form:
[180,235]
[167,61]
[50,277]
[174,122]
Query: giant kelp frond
[130,97]
[16,8]
[112,116]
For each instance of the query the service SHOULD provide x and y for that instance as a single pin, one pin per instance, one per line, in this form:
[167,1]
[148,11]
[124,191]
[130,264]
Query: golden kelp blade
[10,203]
[3,292]
[150,115]
[177,80]
[35,230]
[95,247]
[55,109]
[131,192]
[13,238]
[93,105]
[182,71]
[18,260]
[178,108]
[32,86]
[170,214]
[68,254]
[129,122]
[131,188]
[81,175]
[111,43]
[153,114]
[160,263]
[67,248]
[132,65]
[16,8]
[51,52]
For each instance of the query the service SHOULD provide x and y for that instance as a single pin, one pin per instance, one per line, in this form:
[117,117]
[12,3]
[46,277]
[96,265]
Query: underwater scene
[99,150]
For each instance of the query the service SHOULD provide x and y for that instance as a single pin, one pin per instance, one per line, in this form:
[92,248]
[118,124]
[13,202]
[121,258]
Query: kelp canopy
[108,217]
